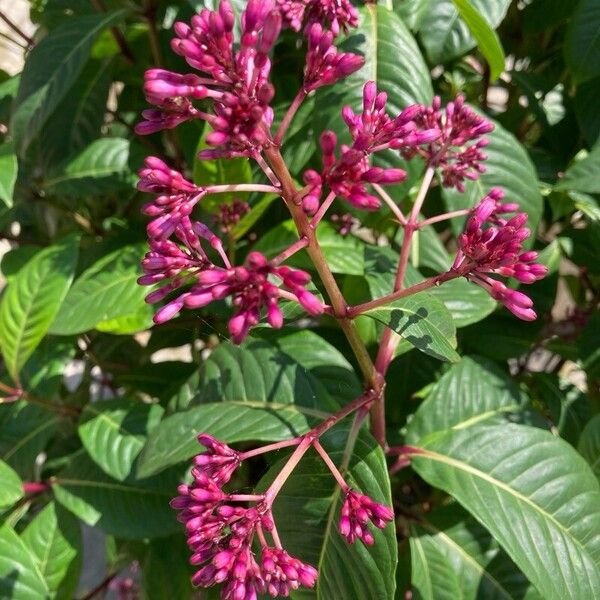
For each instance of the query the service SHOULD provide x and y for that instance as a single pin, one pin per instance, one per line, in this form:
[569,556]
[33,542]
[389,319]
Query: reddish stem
[291,250]
[444,217]
[270,448]
[289,115]
[322,209]
[35,487]
[331,466]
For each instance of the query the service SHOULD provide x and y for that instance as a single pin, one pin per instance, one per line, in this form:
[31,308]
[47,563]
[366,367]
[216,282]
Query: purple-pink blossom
[458,150]
[493,245]
[283,573]
[357,511]
[337,15]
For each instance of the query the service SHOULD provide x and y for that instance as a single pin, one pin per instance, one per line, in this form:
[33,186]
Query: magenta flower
[324,63]
[251,290]
[458,150]
[373,129]
[491,244]
[219,461]
[347,176]
[357,511]
[338,15]
[283,573]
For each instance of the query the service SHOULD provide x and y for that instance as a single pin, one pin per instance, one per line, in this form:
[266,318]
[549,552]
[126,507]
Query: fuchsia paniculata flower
[221,528]
[493,245]
[338,15]
[458,150]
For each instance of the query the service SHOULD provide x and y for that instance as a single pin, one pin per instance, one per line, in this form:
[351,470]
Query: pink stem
[267,169]
[241,187]
[245,497]
[390,202]
[270,448]
[322,210]
[331,466]
[354,311]
[443,217]
[289,115]
[295,247]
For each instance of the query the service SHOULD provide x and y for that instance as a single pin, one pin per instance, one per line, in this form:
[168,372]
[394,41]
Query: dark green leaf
[51,69]
[589,444]
[453,556]
[589,120]
[445,36]
[20,579]
[32,301]
[11,490]
[240,229]
[113,433]
[411,11]
[422,321]
[228,421]
[583,175]
[471,391]
[533,492]
[54,540]
[129,509]
[307,522]
[107,290]
[484,35]
[582,41]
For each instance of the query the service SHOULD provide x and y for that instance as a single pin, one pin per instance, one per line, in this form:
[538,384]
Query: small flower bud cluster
[357,511]
[343,223]
[338,15]
[458,150]
[236,79]
[251,290]
[324,63]
[220,533]
[230,214]
[492,244]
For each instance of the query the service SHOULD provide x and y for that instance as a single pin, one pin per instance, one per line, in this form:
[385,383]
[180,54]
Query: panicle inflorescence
[458,149]
[357,511]
[492,244]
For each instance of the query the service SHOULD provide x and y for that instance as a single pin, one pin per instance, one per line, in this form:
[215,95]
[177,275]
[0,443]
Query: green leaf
[11,490]
[582,41]
[105,166]
[453,556]
[129,509]
[588,120]
[583,175]
[471,391]
[484,35]
[8,173]
[20,579]
[533,492]
[51,69]
[228,421]
[344,254]
[54,539]
[113,433]
[507,166]
[422,321]
[24,432]
[411,11]
[393,60]
[33,299]
[77,120]
[218,172]
[258,371]
[307,521]
[589,444]
[107,290]
[445,36]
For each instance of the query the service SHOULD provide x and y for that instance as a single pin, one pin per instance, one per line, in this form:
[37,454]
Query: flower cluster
[372,130]
[357,511]
[230,214]
[458,149]
[177,265]
[250,288]
[338,15]
[220,533]
[492,244]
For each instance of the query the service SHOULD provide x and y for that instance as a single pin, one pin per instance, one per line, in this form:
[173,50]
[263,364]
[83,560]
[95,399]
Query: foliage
[484,430]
